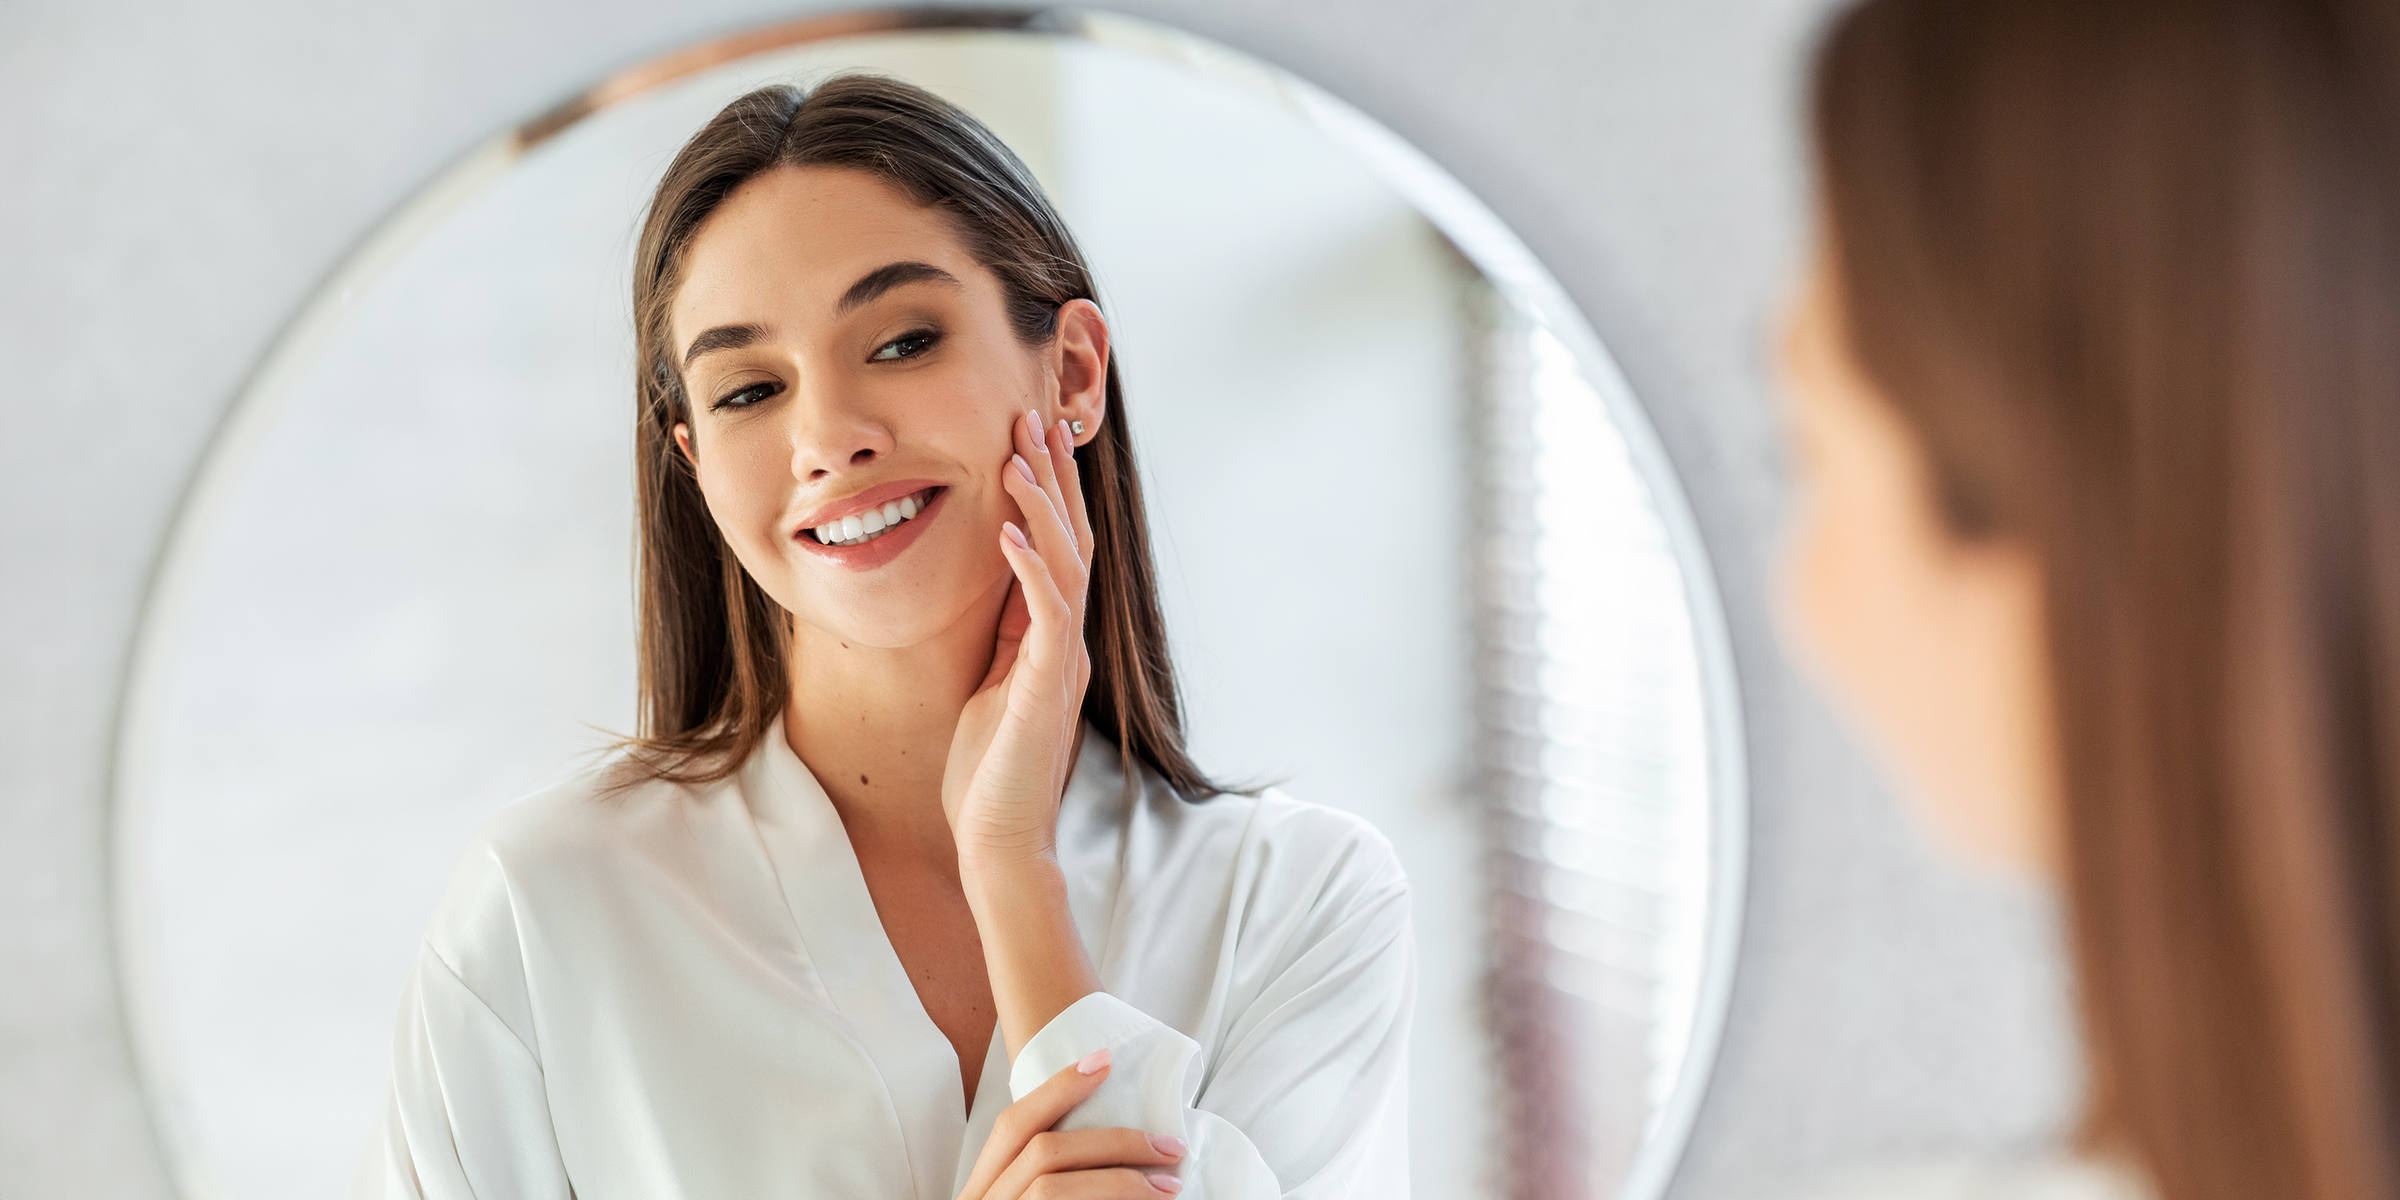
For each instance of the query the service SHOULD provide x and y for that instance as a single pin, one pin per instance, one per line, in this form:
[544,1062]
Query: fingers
[1045,601]
[1041,1108]
[1032,476]
[1098,1162]
[1114,1183]
[1070,488]
[1046,515]
[1034,444]
[1052,558]
[1046,523]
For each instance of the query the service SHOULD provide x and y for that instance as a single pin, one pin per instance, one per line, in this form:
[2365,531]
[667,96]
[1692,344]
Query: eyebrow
[869,286]
[723,337]
[884,278]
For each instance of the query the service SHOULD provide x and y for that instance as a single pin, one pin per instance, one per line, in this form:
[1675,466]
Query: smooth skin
[1932,645]
[936,695]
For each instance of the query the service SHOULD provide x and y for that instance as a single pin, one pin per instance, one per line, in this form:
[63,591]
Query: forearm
[1030,948]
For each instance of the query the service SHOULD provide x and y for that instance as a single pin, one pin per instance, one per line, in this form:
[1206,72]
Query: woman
[2097,391]
[908,888]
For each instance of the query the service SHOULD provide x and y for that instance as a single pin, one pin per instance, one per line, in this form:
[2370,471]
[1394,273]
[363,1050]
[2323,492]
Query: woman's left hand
[1015,743]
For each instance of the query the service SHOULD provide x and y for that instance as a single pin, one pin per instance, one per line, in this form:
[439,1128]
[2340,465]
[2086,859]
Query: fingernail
[1023,469]
[1172,1147]
[1166,1183]
[1033,425]
[1091,1063]
[1018,536]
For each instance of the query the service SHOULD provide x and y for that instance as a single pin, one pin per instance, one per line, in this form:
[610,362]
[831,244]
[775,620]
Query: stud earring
[1075,427]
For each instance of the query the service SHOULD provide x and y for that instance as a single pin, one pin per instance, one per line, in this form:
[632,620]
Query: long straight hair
[714,648]
[2130,270]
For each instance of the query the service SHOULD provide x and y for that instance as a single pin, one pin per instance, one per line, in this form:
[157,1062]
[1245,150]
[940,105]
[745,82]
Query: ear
[683,442]
[1082,365]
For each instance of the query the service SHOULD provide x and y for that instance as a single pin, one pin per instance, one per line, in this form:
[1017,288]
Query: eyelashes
[908,345]
[745,397]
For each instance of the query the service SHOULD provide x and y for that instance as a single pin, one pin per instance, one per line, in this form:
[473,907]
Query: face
[1933,645]
[853,377]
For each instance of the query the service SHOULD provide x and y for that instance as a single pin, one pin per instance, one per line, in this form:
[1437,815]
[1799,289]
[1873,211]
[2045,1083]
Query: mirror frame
[1480,235]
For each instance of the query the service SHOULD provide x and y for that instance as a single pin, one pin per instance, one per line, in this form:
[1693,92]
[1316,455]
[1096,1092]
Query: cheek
[747,485]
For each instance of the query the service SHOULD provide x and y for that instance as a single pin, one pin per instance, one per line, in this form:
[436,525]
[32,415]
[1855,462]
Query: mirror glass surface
[1420,559]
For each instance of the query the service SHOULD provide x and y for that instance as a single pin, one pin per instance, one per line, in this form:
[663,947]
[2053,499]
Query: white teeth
[869,525]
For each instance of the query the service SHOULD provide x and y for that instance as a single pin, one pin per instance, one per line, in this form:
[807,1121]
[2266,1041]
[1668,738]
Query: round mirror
[400,591]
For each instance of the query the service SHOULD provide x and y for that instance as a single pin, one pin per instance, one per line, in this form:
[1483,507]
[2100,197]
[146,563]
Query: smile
[858,529]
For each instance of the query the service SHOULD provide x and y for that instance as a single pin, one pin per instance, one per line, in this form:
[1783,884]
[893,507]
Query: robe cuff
[1140,1046]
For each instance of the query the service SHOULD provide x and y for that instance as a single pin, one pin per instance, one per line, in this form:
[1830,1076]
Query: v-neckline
[843,937]
[868,987]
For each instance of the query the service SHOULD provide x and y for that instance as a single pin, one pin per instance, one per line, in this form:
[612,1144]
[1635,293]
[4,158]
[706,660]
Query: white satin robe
[681,993]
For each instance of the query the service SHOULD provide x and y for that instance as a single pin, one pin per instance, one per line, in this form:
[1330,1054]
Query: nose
[830,435]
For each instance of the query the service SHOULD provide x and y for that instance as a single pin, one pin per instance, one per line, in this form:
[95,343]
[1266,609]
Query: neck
[874,724]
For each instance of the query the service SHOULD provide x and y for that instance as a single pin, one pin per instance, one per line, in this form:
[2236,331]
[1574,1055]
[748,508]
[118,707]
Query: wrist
[1001,875]
[986,847]
[1031,947]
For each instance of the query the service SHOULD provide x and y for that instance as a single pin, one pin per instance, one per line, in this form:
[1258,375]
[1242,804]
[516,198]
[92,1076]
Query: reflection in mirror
[1419,558]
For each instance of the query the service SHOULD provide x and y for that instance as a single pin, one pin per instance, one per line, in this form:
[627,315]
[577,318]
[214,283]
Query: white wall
[177,177]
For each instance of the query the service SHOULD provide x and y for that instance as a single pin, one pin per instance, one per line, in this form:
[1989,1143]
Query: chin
[879,631]
[890,614]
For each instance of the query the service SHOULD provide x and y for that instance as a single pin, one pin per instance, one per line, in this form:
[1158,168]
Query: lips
[870,523]
[900,510]
[856,504]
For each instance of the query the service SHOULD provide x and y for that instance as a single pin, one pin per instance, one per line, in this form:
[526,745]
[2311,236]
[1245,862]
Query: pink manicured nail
[1172,1147]
[1166,1183]
[1024,470]
[1033,425]
[1018,536]
[1091,1063]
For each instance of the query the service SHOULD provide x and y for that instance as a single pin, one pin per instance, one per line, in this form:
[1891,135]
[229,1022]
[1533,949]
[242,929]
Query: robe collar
[872,998]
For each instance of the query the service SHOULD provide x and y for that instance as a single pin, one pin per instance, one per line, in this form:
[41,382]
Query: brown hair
[713,645]
[2130,270]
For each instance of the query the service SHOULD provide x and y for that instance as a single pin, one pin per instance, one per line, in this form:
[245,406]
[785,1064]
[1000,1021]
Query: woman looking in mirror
[2096,386]
[908,887]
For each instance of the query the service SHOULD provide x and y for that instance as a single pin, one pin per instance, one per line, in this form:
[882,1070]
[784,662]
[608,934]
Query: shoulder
[1276,852]
[1271,897]
[586,818]
[550,847]
[1340,845]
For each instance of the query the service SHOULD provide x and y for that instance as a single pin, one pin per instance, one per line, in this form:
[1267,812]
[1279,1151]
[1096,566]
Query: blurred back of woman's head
[2128,273]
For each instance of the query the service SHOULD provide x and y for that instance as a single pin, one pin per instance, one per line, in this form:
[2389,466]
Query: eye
[907,345]
[746,397]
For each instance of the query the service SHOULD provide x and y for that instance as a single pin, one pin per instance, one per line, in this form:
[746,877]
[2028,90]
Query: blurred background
[178,184]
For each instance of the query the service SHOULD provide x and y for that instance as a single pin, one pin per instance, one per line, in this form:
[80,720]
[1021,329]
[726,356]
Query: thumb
[1041,1108]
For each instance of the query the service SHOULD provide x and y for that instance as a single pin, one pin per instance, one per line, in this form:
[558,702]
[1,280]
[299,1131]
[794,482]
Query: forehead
[793,239]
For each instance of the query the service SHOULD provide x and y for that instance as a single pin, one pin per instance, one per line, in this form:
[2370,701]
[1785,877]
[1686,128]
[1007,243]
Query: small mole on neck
[862,779]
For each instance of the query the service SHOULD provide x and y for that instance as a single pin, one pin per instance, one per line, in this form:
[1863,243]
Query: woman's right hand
[1025,1159]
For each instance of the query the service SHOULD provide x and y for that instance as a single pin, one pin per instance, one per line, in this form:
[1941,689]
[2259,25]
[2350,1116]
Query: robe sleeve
[467,1117]
[1308,1094]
